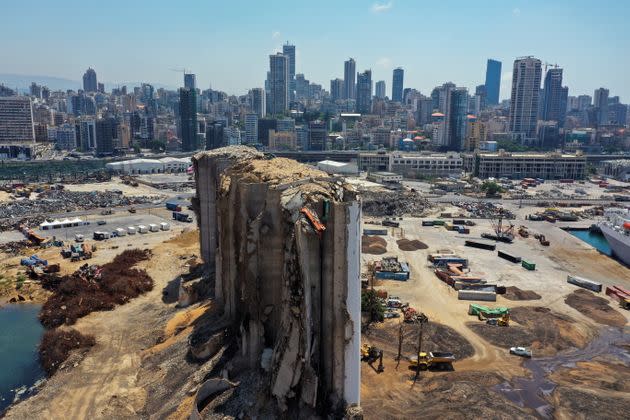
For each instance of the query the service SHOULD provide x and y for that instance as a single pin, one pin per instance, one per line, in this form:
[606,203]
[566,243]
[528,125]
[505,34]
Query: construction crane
[555,66]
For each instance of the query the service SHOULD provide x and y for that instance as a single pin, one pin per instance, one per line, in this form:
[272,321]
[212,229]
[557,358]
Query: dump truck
[182,217]
[438,360]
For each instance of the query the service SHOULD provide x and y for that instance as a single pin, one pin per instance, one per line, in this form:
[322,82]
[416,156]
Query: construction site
[290,293]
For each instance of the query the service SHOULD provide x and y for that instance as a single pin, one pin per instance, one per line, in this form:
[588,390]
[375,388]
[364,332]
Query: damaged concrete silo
[284,242]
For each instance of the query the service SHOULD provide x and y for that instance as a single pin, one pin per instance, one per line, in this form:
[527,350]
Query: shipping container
[165,226]
[449,226]
[458,285]
[173,206]
[438,222]
[528,265]
[375,231]
[509,257]
[392,275]
[443,261]
[142,229]
[131,230]
[121,232]
[481,245]
[427,223]
[390,223]
[153,227]
[585,283]
[476,295]
[459,222]
[463,230]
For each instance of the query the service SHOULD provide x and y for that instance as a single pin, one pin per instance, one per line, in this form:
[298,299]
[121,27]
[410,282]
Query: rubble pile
[94,288]
[34,211]
[57,344]
[393,203]
[484,210]
[15,247]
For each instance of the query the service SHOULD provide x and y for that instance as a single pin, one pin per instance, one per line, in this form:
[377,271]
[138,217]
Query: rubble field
[393,203]
[34,211]
[57,344]
[373,245]
[93,288]
[411,245]
[514,293]
[595,307]
[545,331]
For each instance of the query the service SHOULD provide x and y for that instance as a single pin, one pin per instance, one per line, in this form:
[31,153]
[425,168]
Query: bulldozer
[523,232]
[371,354]
[504,321]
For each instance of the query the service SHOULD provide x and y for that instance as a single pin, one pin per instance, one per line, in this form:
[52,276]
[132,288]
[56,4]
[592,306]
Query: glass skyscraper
[493,82]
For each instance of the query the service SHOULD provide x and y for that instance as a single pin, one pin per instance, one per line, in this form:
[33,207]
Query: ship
[616,230]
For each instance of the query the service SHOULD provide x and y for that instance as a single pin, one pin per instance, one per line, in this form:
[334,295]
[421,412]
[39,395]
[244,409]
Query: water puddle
[531,392]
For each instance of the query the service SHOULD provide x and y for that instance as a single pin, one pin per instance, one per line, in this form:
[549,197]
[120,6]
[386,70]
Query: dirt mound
[595,307]
[514,293]
[458,395]
[579,403]
[57,344]
[546,332]
[436,337]
[373,245]
[90,289]
[411,245]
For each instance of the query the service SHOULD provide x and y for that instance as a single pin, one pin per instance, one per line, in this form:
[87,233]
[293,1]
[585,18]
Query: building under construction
[284,242]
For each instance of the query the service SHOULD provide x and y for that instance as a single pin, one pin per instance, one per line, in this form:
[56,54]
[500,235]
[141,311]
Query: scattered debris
[484,210]
[393,203]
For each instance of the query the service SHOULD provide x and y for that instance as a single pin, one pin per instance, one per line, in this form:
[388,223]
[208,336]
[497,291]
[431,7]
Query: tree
[491,188]
[371,304]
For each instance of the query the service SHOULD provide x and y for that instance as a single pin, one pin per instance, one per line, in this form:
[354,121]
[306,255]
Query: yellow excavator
[504,321]
[371,354]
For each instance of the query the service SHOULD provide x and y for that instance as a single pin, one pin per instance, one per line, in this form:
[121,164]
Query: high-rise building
[618,113]
[16,120]
[349,74]
[336,89]
[258,102]
[525,96]
[215,135]
[380,91]
[188,119]
[397,84]
[317,135]
[100,87]
[554,99]
[456,118]
[35,90]
[278,84]
[600,101]
[86,133]
[481,95]
[584,101]
[289,51]
[89,81]
[364,92]
[106,132]
[493,81]
[251,128]
[264,126]
[190,81]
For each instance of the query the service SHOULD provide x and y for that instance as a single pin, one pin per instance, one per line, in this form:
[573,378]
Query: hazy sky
[227,43]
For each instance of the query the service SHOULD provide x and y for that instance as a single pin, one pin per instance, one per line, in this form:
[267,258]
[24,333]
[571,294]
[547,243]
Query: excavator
[371,354]
[504,321]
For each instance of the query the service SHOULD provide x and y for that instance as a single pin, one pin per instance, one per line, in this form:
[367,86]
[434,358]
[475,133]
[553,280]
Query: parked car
[101,222]
[521,351]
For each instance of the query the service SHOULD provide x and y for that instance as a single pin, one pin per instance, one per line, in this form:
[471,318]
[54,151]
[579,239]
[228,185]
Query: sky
[227,43]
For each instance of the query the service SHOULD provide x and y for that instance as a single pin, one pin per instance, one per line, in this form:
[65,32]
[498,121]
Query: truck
[170,205]
[182,217]
[438,360]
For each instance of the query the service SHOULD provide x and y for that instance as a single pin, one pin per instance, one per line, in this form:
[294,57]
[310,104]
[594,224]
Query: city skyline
[503,38]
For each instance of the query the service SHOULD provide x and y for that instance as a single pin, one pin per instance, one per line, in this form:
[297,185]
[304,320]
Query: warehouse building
[553,165]
[150,166]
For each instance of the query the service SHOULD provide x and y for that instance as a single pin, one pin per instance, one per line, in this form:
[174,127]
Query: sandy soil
[104,384]
[595,307]
[116,184]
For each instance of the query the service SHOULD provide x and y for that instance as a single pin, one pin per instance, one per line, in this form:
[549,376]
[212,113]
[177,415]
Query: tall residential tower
[525,96]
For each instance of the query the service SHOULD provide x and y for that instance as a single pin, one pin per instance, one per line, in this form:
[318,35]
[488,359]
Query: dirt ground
[595,307]
[514,293]
[545,331]
[581,403]
[105,383]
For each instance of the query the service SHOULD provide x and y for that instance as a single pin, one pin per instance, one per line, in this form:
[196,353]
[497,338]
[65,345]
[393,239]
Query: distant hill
[22,83]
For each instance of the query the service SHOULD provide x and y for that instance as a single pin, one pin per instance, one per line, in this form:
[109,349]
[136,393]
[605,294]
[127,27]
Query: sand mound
[373,245]
[514,293]
[595,307]
[410,245]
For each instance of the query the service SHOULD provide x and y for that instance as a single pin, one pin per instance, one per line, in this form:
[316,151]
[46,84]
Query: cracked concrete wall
[283,284]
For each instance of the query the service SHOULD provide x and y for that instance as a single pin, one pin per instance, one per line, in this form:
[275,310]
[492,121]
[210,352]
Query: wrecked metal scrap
[393,203]
[34,211]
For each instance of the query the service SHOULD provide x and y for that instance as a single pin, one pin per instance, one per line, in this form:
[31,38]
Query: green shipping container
[438,222]
[528,265]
